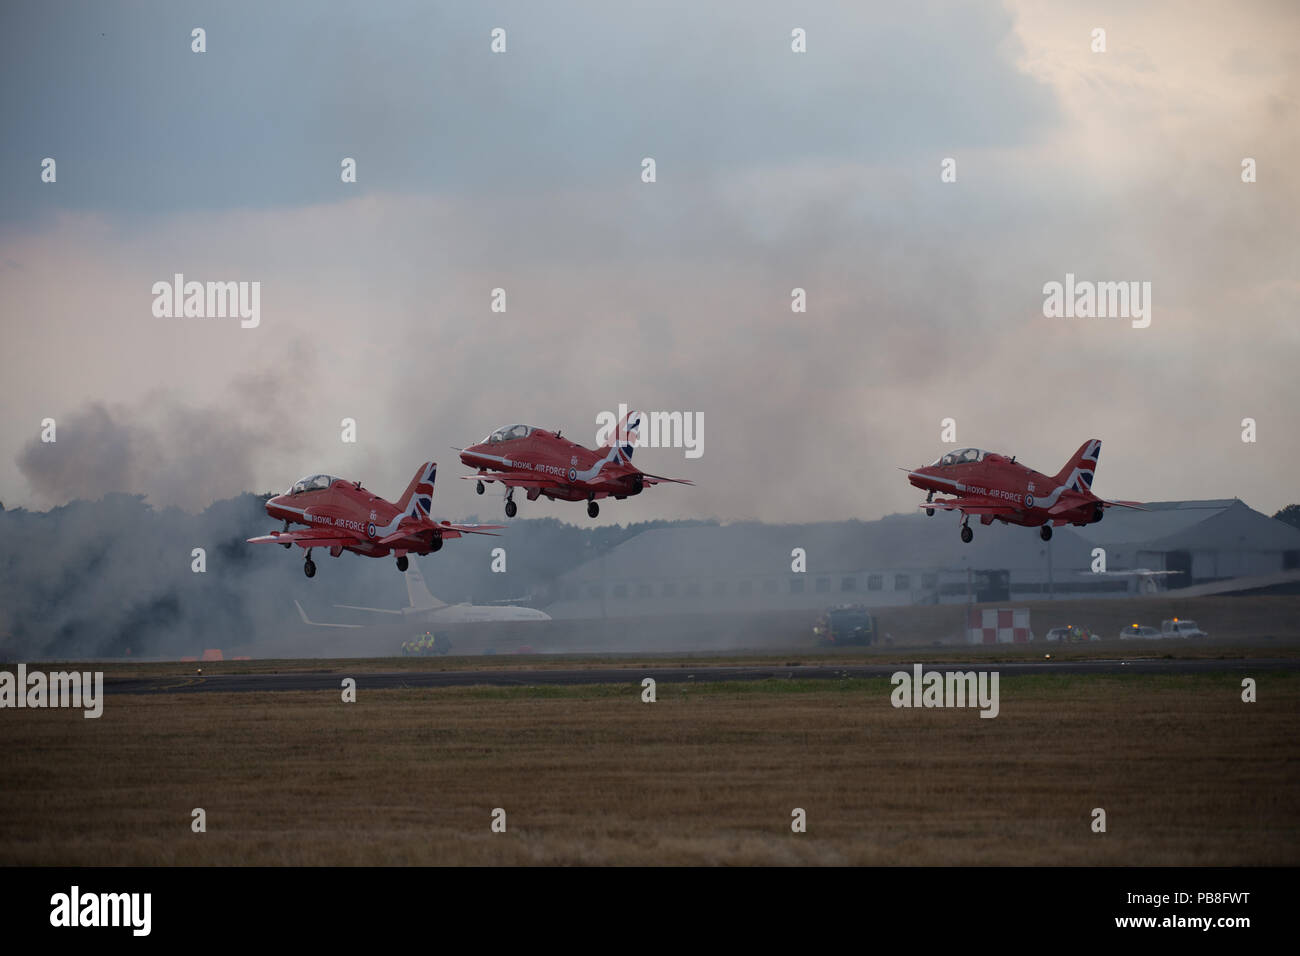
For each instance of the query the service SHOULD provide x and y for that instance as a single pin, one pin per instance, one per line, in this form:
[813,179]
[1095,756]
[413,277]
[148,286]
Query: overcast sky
[775,170]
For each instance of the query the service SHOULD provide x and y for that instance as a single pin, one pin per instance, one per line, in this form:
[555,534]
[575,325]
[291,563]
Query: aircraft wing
[373,610]
[1072,500]
[974,506]
[517,479]
[446,528]
[306,620]
[656,479]
[305,538]
[450,530]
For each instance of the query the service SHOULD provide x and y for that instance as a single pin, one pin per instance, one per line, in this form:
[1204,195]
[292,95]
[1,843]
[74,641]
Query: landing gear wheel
[1045,532]
[309,568]
[593,509]
[967,534]
[403,563]
[478,486]
[511,508]
[929,512]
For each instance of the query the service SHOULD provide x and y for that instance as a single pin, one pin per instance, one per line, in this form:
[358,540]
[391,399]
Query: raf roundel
[1029,501]
[370,529]
[573,474]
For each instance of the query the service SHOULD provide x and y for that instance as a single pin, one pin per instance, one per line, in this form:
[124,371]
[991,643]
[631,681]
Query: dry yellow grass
[1187,773]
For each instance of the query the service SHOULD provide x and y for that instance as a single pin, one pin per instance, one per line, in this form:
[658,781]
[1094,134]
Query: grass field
[708,774]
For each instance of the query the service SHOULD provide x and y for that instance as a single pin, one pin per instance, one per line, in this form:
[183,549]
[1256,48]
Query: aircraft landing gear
[593,509]
[967,534]
[403,563]
[478,487]
[309,566]
[929,512]
[1045,532]
[511,508]
[287,544]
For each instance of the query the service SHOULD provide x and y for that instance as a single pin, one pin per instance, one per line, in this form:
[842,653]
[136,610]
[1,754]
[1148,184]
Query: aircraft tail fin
[417,499]
[625,435]
[1079,471]
[418,592]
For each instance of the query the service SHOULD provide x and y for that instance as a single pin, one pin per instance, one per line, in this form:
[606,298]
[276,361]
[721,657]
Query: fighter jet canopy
[508,433]
[963,456]
[311,483]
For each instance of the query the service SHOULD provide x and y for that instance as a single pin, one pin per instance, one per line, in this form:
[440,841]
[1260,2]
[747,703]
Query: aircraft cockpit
[508,433]
[312,483]
[963,456]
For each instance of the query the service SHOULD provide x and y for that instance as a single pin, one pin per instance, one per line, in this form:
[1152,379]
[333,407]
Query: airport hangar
[914,559]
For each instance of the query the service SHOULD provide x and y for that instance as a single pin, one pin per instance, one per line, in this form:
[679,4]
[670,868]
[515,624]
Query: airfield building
[914,559]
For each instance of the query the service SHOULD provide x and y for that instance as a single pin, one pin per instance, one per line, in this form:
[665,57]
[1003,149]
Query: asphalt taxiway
[183,683]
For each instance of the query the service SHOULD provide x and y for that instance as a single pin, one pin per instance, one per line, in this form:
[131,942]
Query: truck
[847,624]
[1072,634]
[1180,628]
[426,644]
[1139,631]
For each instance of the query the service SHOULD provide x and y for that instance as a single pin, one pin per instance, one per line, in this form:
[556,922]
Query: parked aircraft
[429,610]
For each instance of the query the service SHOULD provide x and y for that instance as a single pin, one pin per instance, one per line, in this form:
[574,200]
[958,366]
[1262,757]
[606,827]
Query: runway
[666,674]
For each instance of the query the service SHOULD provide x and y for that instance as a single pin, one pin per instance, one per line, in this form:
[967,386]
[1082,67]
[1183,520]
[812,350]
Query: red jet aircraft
[520,456]
[343,516]
[996,488]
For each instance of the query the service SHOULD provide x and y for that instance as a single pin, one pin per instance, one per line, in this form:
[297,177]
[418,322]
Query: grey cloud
[410,90]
